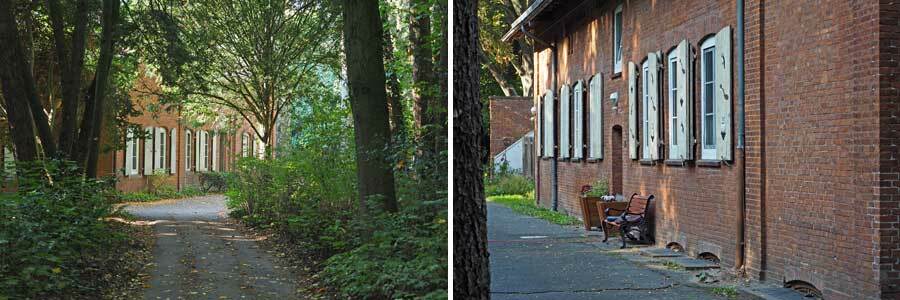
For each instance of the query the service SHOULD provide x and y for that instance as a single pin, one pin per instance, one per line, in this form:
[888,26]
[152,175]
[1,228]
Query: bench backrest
[638,204]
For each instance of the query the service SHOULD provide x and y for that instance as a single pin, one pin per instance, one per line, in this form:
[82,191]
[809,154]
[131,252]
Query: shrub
[404,259]
[508,185]
[598,189]
[51,234]
[215,181]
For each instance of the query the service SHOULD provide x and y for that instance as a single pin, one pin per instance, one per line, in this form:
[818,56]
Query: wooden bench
[630,221]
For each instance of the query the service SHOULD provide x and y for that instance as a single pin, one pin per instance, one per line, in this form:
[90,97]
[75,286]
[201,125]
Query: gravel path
[200,255]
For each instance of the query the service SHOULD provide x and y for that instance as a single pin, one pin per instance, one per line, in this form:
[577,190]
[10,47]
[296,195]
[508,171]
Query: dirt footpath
[199,254]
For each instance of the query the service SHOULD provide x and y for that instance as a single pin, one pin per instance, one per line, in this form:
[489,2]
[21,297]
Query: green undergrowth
[55,238]
[525,205]
[162,193]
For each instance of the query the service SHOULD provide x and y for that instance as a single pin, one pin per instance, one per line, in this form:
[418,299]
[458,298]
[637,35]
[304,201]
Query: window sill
[709,163]
[616,75]
[676,162]
[648,162]
[593,160]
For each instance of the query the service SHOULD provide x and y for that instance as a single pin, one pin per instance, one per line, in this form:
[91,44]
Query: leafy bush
[52,233]
[215,181]
[404,259]
[598,189]
[160,193]
[508,185]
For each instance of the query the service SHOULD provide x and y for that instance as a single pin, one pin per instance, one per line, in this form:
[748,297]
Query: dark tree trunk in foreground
[471,278]
[12,78]
[368,100]
[110,20]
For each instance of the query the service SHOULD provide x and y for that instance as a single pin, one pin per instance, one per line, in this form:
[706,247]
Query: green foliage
[405,258]
[163,192]
[52,233]
[726,291]
[525,205]
[508,185]
[599,188]
[214,181]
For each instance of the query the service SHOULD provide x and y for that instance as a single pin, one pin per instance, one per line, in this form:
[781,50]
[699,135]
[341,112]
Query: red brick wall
[888,207]
[822,199]
[813,144]
[510,120]
[684,194]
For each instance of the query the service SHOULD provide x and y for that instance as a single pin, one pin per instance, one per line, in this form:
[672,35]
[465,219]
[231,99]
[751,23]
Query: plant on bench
[632,221]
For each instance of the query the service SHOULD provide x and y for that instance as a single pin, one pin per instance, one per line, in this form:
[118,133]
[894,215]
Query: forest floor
[531,258]
[201,254]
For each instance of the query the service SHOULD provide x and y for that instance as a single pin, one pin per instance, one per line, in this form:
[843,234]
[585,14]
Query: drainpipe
[554,178]
[741,244]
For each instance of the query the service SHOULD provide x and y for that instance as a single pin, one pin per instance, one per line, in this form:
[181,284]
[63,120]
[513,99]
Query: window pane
[618,36]
[708,98]
[708,131]
[708,64]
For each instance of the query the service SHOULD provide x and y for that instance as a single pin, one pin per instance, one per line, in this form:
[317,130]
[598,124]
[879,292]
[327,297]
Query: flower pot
[589,212]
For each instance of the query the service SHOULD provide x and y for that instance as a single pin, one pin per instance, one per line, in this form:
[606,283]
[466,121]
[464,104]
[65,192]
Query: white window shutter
[632,111]
[723,93]
[129,152]
[564,117]
[684,102]
[653,105]
[160,141]
[197,154]
[538,129]
[148,151]
[549,136]
[596,117]
[578,121]
[203,148]
[173,152]
[215,152]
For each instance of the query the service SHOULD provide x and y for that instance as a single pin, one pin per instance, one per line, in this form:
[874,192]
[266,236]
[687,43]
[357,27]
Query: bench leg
[605,232]
[622,232]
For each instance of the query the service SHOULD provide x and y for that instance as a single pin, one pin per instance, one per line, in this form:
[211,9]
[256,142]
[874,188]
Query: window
[564,117]
[132,153]
[549,130]
[173,151]
[161,150]
[245,145]
[645,112]
[595,117]
[673,102]
[617,40]
[707,98]
[188,146]
[578,121]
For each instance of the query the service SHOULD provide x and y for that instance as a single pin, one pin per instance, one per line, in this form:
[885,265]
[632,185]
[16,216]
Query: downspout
[741,244]
[554,178]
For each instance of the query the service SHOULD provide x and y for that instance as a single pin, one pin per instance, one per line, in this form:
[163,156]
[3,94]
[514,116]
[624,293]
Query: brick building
[510,120]
[767,130]
[174,147]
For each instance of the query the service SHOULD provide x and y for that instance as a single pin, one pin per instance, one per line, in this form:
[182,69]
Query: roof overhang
[534,10]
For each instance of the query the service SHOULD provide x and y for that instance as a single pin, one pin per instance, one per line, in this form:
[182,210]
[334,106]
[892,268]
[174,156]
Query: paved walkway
[534,259]
[198,255]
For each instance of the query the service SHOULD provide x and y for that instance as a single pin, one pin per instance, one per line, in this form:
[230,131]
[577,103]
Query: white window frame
[245,143]
[188,143]
[672,67]
[617,39]
[645,104]
[708,151]
[161,148]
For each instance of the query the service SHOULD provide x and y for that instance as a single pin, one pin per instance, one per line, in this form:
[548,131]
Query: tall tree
[368,100]
[263,53]
[471,278]
[70,46]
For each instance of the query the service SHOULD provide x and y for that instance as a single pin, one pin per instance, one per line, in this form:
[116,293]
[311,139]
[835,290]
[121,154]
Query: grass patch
[525,205]
[159,194]
[726,291]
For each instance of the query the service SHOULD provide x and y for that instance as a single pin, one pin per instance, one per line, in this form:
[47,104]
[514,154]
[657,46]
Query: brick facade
[229,145]
[510,120]
[820,167]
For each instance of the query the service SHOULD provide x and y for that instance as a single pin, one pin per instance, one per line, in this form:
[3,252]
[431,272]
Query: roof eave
[515,30]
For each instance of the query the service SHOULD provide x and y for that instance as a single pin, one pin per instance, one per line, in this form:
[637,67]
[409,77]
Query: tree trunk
[497,73]
[395,105]
[15,86]
[471,278]
[110,22]
[365,81]
[440,103]
[422,65]
[71,64]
